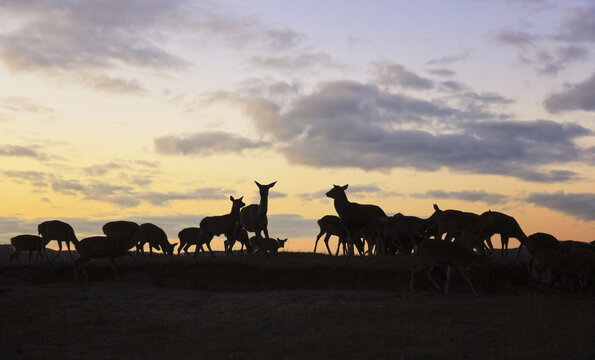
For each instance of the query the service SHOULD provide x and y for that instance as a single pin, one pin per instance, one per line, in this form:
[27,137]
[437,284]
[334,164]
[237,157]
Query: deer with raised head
[435,252]
[267,245]
[189,236]
[103,247]
[332,225]
[493,222]
[254,217]
[358,219]
[211,226]
[59,231]
[156,237]
[28,243]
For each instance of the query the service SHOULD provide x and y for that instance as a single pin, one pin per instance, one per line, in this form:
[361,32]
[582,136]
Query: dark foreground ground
[292,307]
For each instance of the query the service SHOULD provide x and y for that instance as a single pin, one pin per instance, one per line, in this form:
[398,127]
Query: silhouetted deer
[189,236]
[28,243]
[435,252]
[458,225]
[59,231]
[332,225]
[156,238]
[552,261]
[254,217]
[358,219]
[216,225]
[103,247]
[241,236]
[400,231]
[581,262]
[267,245]
[121,229]
[493,222]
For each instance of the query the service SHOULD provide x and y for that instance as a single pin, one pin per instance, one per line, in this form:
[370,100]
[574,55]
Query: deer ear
[271,184]
[241,198]
[344,187]
[231,198]
[436,207]
[257,183]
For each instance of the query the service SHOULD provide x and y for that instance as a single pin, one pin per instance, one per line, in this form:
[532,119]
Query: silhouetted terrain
[298,305]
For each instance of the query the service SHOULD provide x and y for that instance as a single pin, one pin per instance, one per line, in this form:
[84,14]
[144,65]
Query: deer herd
[362,227]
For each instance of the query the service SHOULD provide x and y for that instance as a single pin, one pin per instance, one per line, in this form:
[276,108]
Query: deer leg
[59,249]
[317,238]
[414,272]
[210,250]
[68,247]
[504,241]
[465,273]
[448,276]
[432,280]
[14,254]
[326,239]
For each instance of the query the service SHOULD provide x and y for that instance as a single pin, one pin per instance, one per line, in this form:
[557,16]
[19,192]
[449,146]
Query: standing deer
[59,231]
[216,225]
[254,217]
[102,247]
[493,222]
[358,219]
[189,236]
[435,252]
[156,238]
[241,236]
[400,231]
[332,225]
[458,225]
[28,243]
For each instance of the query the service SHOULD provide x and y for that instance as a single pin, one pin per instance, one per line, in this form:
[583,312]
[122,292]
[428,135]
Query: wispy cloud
[205,143]
[578,205]
[465,195]
[579,96]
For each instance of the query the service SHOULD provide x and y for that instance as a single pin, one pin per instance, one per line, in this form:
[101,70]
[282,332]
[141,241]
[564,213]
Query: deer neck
[263,205]
[235,212]
[341,203]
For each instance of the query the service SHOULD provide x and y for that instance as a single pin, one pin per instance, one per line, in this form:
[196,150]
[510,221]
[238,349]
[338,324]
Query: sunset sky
[159,110]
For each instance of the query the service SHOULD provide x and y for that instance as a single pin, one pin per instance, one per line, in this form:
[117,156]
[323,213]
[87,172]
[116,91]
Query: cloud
[521,39]
[355,190]
[578,25]
[100,170]
[298,62]
[33,178]
[442,72]
[205,143]
[388,73]
[116,85]
[355,125]
[446,60]
[207,193]
[11,107]
[579,96]
[466,195]
[21,151]
[578,205]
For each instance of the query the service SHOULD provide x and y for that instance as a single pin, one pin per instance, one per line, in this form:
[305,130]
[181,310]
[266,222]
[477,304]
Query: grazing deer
[156,238]
[121,229]
[102,247]
[267,245]
[539,241]
[331,225]
[358,219]
[566,246]
[435,252]
[493,222]
[189,236]
[254,217]
[59,231]
[28,243]
[216,225]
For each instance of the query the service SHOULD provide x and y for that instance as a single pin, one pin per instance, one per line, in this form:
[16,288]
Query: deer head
[337,191]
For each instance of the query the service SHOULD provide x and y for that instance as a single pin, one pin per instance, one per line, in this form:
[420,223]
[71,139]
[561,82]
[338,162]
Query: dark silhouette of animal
[28,243]
[539,241]
[552,261]
[358,219]
[581,263]
[254,217]
[242,237]
[267,245]
[457,225]
[566,246]
[189,236]
[332,225]
[156,237]
[121,229]
[59,231]
[493,222]
[103,247]
[400,231]
[226,224]
[435,252]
